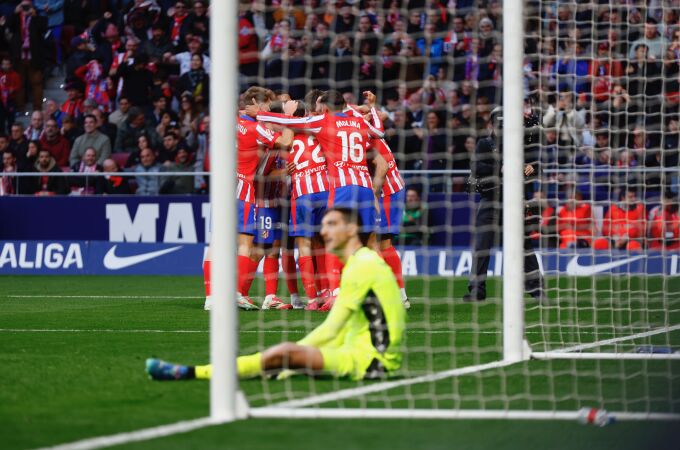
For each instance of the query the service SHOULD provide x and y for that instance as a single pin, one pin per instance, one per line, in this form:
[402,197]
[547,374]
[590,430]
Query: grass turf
[85,378]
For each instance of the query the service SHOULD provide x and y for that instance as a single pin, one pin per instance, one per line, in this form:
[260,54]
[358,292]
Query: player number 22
[299,149]
[352,146]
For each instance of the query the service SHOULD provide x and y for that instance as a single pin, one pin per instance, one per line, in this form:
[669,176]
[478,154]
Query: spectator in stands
[160,105]
[9,182]
[46,184]
[195,46]
[10,85]
[92,138]
[107,38]
[52,111]
[196,82]
[644,84]
[35,130]
[342,62]
[188,114]
[655,43]
[147,184]
[604,70]
[70,130]
[575,221]
[664,224]
[130,130]
[624,225]
[81,53]
[96,87]
[178,184]
[84,185]
[414,222]
[137,81]
[198,20]
[19,146]
[159,45]
[104,126]
[112,184]
[179,25]
[169,148]
[73,106]
[28,48]
[58,146]
[119,116]
[567,122]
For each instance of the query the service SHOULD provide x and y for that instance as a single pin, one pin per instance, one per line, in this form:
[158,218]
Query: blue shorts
[268,225]
[306,214]
[357,198]
[245,217]
[391,211]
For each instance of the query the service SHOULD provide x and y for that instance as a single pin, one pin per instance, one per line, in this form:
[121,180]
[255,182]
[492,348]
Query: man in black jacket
[486,178]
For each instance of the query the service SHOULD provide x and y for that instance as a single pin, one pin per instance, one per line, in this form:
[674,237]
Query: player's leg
[271,278]
[533,280]
[245,260]
[289,267]
[282,356]
[288,263]
[306,263]
[391,210]
[206,280]
[485,235]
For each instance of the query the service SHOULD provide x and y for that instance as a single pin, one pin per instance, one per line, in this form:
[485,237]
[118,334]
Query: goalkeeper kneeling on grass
[360,338]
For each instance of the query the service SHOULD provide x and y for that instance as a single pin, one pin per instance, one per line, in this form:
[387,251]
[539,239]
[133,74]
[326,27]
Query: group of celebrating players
[320,153]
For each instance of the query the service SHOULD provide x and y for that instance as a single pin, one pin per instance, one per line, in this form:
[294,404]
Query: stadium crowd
[602,77]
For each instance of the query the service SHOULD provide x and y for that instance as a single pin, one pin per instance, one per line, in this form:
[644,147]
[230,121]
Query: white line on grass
[135,436]
[581,347]
[384,386]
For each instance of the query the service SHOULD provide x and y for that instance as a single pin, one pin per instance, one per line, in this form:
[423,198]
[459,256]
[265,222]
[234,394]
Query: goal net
[594,97]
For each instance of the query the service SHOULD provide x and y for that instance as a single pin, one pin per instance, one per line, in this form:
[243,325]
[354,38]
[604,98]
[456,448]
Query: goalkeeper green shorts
[351,361]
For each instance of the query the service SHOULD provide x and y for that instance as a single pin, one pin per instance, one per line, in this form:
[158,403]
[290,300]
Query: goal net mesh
[601,117]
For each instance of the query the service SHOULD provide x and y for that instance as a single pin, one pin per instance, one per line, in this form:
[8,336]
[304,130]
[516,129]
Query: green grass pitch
[73,350]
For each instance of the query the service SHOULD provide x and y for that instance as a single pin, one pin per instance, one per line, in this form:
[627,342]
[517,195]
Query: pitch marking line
[578,348]
[135,436]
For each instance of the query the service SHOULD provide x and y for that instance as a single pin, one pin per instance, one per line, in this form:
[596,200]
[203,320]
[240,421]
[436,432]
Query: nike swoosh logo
[114,262]
[574,268]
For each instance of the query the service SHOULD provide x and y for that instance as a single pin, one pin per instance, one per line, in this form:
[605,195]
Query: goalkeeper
[360,338]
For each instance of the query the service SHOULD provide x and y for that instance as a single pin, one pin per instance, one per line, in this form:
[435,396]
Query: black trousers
[488,234]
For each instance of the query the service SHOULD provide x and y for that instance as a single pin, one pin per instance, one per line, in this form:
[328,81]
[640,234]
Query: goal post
[513,183]
[223,111]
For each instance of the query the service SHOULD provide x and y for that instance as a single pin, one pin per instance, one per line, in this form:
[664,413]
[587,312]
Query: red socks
[271,275]
[333,270]
[248,282]
[206,277]
[320,266]
[307,274]
[392,259]
[246,273]
[290,271]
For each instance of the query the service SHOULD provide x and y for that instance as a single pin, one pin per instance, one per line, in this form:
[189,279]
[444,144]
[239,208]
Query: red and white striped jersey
[344,140]
[310,174]
[269,190]
[393,180]
[250,136]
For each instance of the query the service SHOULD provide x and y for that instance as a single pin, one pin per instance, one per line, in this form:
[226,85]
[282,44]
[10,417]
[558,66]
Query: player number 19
[352,146]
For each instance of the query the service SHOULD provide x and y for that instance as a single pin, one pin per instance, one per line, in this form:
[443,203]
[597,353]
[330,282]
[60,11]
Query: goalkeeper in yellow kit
[361,337]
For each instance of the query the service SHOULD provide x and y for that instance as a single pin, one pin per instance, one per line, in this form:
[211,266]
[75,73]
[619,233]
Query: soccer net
[600,318]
